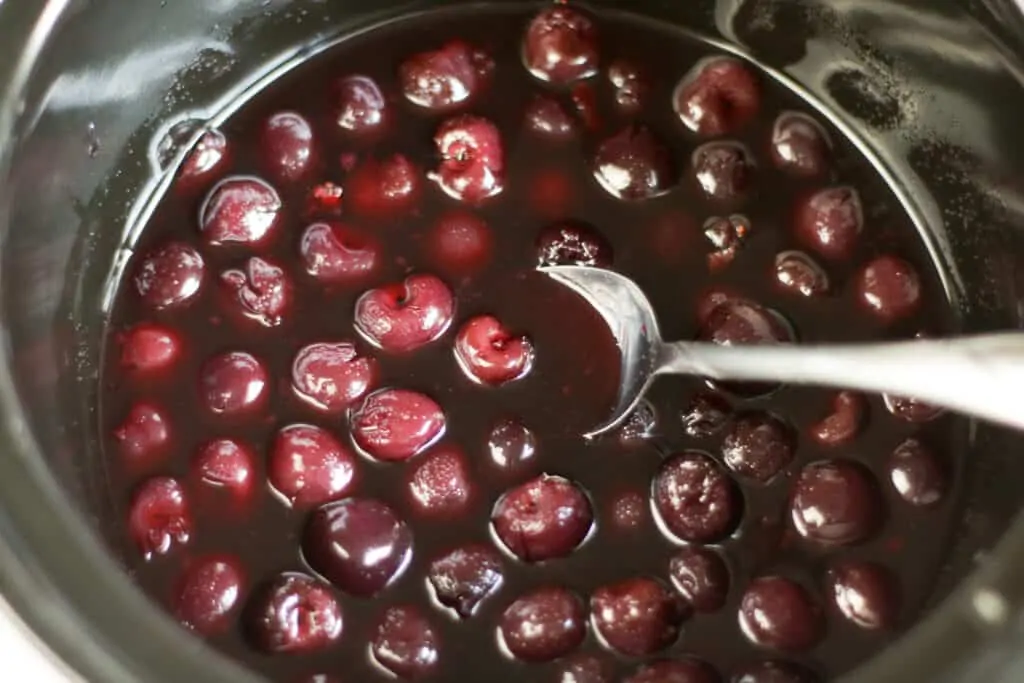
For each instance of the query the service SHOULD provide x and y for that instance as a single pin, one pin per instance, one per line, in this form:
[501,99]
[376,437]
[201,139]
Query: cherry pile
[344,411]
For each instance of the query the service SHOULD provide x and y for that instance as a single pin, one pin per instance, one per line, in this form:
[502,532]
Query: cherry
[361,108]
[717,97]
[287,146]
[830,222]
[686,670]
[773,672]
[158,518]
[462,242]
[706,415]
[206,158]
[239,210]
[332,376]
[472,165]
[864,593]
[447,77]
[465,577]
[545,115]
[225,464]
[208,594]
[325,199]
[723,170]
[889,287]
[911,409]
[758,446]
[712,298]
[511,445]
[360,545]
[170,276]
[634,165]
[405,643]
[294,614]
[916,474]
[440,484]
[489,354]
[701,577]
[630,84]
[744,322]
[585,669]
[642,424]
[835,503]
[842,425]
[636,617]
[779,614]
[262,289]
[383,188]
[338,253]
[799,145]
[543,519]
[308,466]
[233,383]
[695,499]
[573,244]
[545,624]
[404,316]
[144,435]
[149,348]
[396,424]
[798,273]
[726,235]
[560,46]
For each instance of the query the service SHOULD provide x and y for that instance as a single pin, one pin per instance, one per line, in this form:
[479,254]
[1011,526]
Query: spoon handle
[982,375]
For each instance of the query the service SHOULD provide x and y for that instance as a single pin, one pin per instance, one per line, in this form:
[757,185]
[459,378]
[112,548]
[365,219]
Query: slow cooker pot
[101,97]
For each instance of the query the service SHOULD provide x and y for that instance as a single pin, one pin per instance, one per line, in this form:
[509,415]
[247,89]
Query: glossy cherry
[637,617]
[361,108]
[170,276]
[489,354]
[396,424]
[405,643]
[447,77]
[544,624]
[778,613]
[240,210]
[864,593]
[294,614]
[308,466]
[144,435]
[287,144]
[717,97]
[573,244]
[332,376]
[800,145]
[695,499]
[209,593]
[835,502]
[159,518]
[149,348]
[336,253]
[830,222]
[890,288]
[633,164]
[233,383]
[723,170]
[472,159]
[225,464]
[441,483]
[686,670]
[560,45]
[383,189]
[543,519]
[262,290]
[464,577]
[701,577]
[403,316]
[916,474]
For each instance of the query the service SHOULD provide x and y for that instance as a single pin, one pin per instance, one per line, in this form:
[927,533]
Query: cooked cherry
[723,170]
[332,376]
[511,445]
[916,474]
[149,348]
[744,322]
[239,210]
[864,593]
[830,222]
[225,464]
[573,244]
[206,158]
[543,625]
[446,77]
[545,518]
[383,188]
[308,466]
[324,199]
[849,410]
[712,298]
[560,46]
[208,594]
[338,253]
[911,409]
[233,383]
[360,105]
[263,290]
[889,287]
[773,672]
[585,669]
[758,446]
[695,499]
[489,354]
[835,503]
[159,519]
[462,242]
[144,435]
[726,236]
[629,510]
[440,484]
[294,614]
[706,415]
[547,116]
[779,614]
[396,424]
[637,617]
[170,276]
[630,83]
[641,424]
[798,273]
[403,316]
[405,643]
[465,577]
[287,146]
[686,670]
[360,545]
[718,96]
[701,577]
[472,165]
[634,165]
[799,145]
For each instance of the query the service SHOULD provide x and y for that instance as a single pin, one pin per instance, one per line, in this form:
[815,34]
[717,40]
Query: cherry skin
[726,235]
[170,276]
[773,672]
[159,519]
[489,354]
[208,595]
[205,160]
[262,290]
[799,145]
[910,409]
[144,436]
[543,625]
[545,518]
[308,466]
[686,670]
[634,165]
[225,464]
[472,165]
[630,84]
[386,188]
[798,273]
[830,222]
[835,503]
[695,500]
[744,322]
[233,383]
[465,577]
[240,210]
[149,348]
[573,244]
[916,474]
[462,243]
[334,253]
[779,614]
[864,593]
[546,116]
[560,46]
[396,424]
[842,425]
[405,643]
[440,485]
[642,424]
[332,376]
[404,316]
[636,617]
[701,577]
[706,415]
[294,614]
[758,446]
[723,170]
[718,97]
[890,288]
[287,146]
[585,669]
[447,77]
[511,445]
[361,108]
[359,544]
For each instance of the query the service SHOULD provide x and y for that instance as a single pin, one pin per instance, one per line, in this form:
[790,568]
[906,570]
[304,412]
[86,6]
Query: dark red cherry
[830,222]
[695,499]
[262,290]
[465,577]
[403,316]
[405,644]
[294,614]
[544,624]
[361,108]
[889,287]
[701,577]
[446,77]
[206,158]
[723,170]
[560,46]
[585,668]
[843,424]
[208,594]
[144,435]
[462,243]
[864,593]
[308,466]
[324,199]
[545,518]
[737,321]
[685,670]
[440,484]
[726,235]
[717,97]
[911,409]
[511,445]
[338,253]
[758,446]
[634,165]
[800,145]
[287,146]
[159,519]
[779,614]
[239,210]
[573,244]
[835,502]
[637,617]
[489,354]
[545,115]
[225,464]
[472,159]
[332,376]
[773,672]
[917,475]
[798,273]
[706,415]
[360,545]
[233,383]
[710,299]
[396,424]
[383,188]
[641,424]
[170,276]
[630,83]
[149,348]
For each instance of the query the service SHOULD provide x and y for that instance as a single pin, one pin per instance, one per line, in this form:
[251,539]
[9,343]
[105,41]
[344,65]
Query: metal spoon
[982,375]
